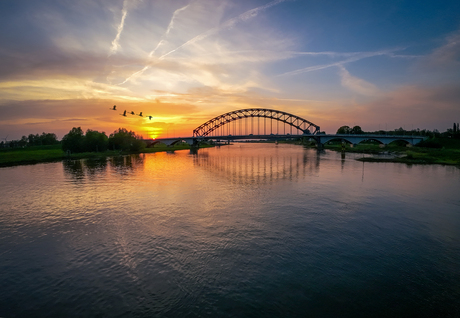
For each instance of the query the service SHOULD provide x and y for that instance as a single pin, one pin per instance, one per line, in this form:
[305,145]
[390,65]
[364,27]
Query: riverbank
[447,155]
[41,154]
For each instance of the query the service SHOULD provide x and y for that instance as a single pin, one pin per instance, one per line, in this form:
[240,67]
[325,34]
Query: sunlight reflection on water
[241,230]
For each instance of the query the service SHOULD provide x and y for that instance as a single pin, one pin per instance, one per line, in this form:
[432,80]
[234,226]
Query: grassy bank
[40,154]
[447,154]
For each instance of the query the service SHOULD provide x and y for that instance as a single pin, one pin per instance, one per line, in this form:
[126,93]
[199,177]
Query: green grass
[449,154]
[39,154]
[30,155]
[367,148]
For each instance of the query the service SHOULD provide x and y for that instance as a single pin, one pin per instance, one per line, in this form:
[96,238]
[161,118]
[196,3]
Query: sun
[154,132]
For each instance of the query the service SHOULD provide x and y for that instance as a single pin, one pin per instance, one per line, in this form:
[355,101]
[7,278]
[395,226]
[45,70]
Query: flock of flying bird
[131,113]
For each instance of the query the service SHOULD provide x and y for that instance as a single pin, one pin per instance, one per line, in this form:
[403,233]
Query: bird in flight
[131,113]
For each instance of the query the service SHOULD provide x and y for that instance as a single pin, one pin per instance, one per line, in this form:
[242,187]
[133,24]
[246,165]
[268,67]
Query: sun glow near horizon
[186,62]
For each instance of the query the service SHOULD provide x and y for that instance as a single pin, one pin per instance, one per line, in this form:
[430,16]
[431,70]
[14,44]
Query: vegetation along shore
[75,145]
[438,148]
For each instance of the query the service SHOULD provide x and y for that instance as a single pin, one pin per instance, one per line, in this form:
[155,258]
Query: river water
[247,230]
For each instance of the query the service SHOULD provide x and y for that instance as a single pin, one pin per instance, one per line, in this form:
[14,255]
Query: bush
[125,140]
[95,141]
[73,141]
[429,144]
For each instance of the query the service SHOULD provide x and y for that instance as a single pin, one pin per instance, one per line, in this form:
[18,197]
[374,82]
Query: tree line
[449,133]
[94,141]
[78,141]
[32,140]
[122,139]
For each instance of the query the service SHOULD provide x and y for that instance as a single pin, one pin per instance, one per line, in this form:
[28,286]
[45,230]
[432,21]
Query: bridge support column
[195,144]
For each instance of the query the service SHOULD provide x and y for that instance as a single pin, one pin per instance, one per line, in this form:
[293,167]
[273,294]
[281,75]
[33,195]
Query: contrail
[115,42]
[323,66]
[227,24]
[354,56]
[170,26]
[135,74]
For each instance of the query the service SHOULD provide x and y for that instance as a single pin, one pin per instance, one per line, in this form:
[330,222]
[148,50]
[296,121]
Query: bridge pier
[356,139]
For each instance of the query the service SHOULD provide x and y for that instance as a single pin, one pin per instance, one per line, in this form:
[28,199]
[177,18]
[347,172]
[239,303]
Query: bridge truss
[257,121]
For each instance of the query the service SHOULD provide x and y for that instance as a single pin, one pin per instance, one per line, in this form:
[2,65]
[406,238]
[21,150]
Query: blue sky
[370,63]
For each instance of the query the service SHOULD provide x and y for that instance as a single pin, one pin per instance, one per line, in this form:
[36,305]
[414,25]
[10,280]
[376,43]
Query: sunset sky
[376,64]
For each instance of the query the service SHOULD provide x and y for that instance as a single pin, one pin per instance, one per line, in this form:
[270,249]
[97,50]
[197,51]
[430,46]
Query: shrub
[125,140]
[95,141]
[429,144]
[73,141]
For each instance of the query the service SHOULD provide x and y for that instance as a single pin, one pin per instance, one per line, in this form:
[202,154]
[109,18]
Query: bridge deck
[320,138]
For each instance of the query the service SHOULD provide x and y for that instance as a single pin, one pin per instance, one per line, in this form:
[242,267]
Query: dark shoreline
[406,155]
[25,156]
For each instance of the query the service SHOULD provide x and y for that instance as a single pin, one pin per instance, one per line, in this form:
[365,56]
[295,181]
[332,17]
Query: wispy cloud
[357,84]
[445,56]
[227,24]
[116,41]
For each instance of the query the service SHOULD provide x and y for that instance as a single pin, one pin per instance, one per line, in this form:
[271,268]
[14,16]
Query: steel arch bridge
[215,124]
[224,128]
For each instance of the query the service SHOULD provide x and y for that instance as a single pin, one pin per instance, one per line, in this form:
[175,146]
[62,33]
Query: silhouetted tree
[357,130]
[125,140]
[95,141]
[43,139]
[48,139]
[344,130]
[23,142]
[73,141]
[34,140]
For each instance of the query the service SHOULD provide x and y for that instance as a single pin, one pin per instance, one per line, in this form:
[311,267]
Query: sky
[376,64]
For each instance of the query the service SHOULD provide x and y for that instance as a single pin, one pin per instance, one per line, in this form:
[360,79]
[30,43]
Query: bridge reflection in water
[253,164]
[244,163]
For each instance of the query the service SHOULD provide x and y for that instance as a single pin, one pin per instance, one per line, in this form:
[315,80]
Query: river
[247,230]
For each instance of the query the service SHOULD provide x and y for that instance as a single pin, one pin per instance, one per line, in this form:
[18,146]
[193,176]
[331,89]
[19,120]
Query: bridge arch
[297,122]
[356,139]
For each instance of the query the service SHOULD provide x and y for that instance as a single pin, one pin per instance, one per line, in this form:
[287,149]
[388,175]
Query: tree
[73,141]
[125,140]
[95,141]
[344,130]
[23,141]
[48,139]
[357,130]
[34,140]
